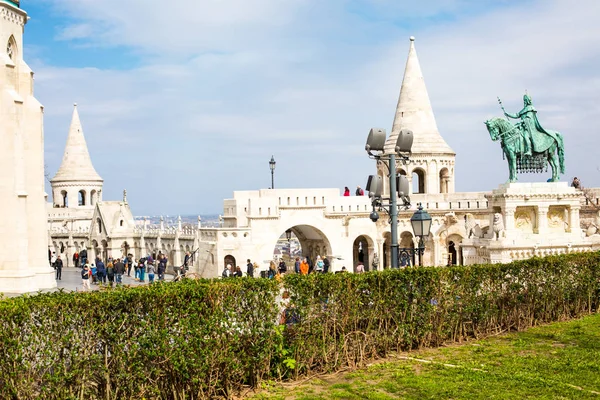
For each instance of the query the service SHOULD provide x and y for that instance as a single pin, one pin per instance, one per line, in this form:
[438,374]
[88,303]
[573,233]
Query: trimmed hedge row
[208,338]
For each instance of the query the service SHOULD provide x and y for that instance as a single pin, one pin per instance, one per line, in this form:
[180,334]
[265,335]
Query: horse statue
[528,147]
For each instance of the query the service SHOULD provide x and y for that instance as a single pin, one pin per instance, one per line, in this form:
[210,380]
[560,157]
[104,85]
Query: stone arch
[95,251]
[65,198]
[386,257]
[444,180]
[81,198]
[419,180]
[312,242]
[407,257]
[125,247]
[453,251]
[93,197]
[229,259]
[104,250]
[363,251]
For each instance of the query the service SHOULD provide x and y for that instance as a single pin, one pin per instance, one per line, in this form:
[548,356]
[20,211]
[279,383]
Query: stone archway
[406,242]
[386,257]
[229,259]
[363,251]
[310,241]
[454,256]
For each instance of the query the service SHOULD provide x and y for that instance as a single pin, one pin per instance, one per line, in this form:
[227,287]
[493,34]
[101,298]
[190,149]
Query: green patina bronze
[13,2]
[527,145]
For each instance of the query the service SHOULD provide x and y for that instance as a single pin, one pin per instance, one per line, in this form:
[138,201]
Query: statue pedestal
[526,220]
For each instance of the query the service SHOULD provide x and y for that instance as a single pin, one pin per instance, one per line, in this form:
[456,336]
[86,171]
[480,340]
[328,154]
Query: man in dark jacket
[250,269]
[325,265]
[100,271]
[162,268]
[282,267]
[58,265]
[119,271]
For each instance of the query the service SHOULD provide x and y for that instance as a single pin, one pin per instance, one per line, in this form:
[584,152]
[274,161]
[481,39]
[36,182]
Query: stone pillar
[509,219]
[574,222]
[542,219]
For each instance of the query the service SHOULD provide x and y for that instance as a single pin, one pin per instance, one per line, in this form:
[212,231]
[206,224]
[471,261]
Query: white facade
[24,263]
[325,222]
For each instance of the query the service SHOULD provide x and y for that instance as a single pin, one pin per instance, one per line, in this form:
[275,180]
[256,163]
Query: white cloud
[222,85]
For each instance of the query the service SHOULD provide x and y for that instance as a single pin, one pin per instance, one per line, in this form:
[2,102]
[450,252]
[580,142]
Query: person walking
[297,265]
[326,265]
[162,268]
[359,191]
[346,191]
[142,267]
[58,265]
[319,265]
[110,272]
[76,259]
[282,267]
[119,271]
[85,277]
[250,269]
[100,271]
[304,267]
[150,269]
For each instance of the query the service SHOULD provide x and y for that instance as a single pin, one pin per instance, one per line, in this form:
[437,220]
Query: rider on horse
[529,124]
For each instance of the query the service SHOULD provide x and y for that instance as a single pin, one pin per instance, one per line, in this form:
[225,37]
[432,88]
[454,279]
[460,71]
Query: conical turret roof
[76,163]
[414,112]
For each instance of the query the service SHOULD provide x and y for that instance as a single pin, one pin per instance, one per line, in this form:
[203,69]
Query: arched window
[93,197]
[444,180]
[11,48]
[418,177]
[99,222]
[121,223]
[65,198]
[82,197]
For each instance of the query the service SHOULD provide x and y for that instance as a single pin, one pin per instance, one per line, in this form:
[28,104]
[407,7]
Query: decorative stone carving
[498,227]
[524,220]
[450,219]
[472,227]
[556,218]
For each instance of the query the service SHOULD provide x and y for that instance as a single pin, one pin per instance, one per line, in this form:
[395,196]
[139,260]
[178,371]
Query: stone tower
[24,264]
[76,184]
[432,160]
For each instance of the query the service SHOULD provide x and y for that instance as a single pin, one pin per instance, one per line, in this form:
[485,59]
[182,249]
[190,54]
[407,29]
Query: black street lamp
[421,225]
[272,166]
[399,186]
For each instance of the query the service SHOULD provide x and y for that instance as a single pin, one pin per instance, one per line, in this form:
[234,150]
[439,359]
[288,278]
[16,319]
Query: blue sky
[184,102]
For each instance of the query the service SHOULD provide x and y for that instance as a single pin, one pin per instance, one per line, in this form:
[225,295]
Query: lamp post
[421,225]
[398,185]
[272,166]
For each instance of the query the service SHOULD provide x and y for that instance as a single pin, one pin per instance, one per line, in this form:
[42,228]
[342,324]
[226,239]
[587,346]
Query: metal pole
[272,179]
[393,211]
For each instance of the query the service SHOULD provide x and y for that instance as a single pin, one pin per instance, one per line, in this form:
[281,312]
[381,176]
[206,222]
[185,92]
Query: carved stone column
[542,219]
[574,222]
[509,218]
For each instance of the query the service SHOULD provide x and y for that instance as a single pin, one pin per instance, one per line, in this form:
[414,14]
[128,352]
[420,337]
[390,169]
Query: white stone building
[24,265]
[325,222]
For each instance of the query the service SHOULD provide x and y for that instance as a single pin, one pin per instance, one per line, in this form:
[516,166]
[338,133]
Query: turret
[432,160]
[76,184]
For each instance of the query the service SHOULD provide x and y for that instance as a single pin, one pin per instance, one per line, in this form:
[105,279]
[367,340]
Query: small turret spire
[414,111]
[76,163]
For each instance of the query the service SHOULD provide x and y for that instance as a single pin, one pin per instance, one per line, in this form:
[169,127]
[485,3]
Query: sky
[184,102]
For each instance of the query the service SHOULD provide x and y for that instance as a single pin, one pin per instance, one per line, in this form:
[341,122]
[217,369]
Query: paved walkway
[71,281]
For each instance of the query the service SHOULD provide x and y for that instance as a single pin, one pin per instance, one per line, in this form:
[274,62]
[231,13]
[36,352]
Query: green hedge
[208,338]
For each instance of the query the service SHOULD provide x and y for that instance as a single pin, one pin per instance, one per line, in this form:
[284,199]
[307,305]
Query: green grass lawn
[558,361]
